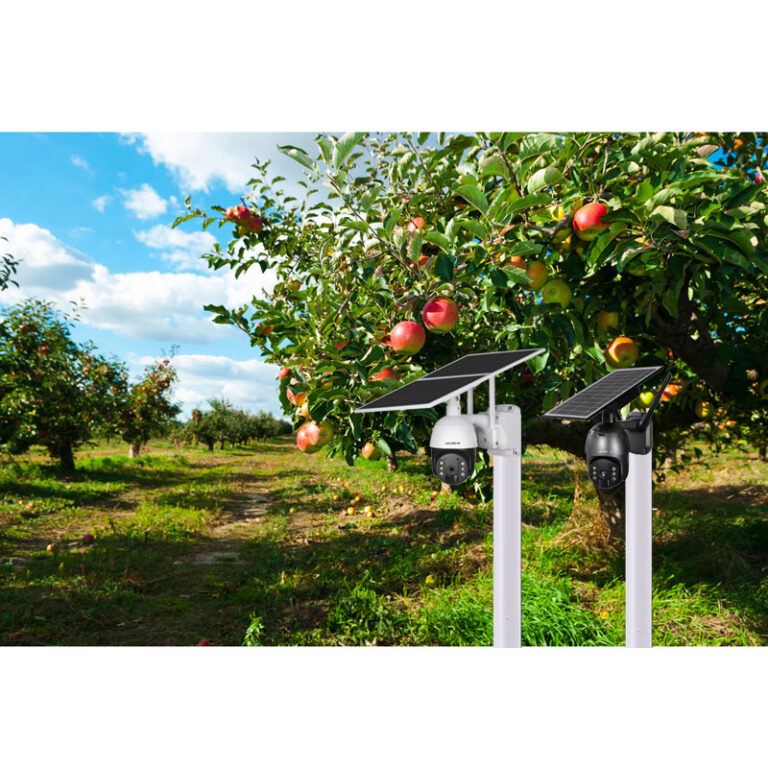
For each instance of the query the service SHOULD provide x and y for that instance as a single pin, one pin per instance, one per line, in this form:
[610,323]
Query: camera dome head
[454,448]
[607,449]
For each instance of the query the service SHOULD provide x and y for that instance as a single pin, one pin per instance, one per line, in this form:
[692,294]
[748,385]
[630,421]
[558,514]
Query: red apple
[283,373]
[670,391]
[621,352]
[537,274]
[370,451]
[414,224]
[88,538]
[588,221]
[340,345]
[387,373]
[297,398]
[304,441]
[606,320]
[203,642]
[318,434]
[440,315]
[408,337]
[556,292]
[263,329]
[517,261]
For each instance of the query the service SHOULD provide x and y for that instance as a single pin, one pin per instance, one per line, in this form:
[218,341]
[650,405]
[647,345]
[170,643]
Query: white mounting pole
[639,533]
[506,531]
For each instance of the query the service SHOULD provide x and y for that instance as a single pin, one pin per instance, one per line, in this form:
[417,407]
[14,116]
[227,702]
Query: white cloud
[100,203]
[249,384]
[144,203]
[180,249]
[157,306]
[200,160]
[47,264]
[79,231]
[80,163]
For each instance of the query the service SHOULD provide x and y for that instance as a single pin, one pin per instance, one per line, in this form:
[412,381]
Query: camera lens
[603,473]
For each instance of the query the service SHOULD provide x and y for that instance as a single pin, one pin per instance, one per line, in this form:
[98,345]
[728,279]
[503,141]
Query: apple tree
[604,249]
[148,411]
[7,269]
[54,392]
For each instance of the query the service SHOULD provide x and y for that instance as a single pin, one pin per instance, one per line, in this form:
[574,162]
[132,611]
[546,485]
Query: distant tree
[148,411]
[54,392]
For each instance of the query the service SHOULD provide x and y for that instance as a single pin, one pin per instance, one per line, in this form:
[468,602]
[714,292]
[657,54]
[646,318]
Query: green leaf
[735,258]
[415,246]
[524,248]
[529,201]
[740,238]
[383,446]
[474,196]
[538,143]
[298,154]
[517,275]
[602,242]
[674,216]
[499,278]
[344,146]
[444,267]
[440,240]
[475,227]
[546,177]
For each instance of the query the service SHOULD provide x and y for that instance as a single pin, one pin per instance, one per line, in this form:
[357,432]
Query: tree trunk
[65,457]
[134,450]
[392,463]
[221,444]
[210,444]
[612,511]
[761,452]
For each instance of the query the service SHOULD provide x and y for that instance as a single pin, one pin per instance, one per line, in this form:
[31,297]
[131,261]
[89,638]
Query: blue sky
[89,215]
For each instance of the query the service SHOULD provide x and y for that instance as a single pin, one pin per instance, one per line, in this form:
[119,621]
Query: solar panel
[485,363]
[422,393]
[449,381]
[611,392]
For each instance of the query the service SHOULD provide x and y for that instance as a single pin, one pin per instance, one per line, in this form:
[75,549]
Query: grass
[256,548]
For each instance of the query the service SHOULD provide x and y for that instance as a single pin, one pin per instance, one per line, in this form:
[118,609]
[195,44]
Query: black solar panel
[423,393]
[485,363]
[611,392]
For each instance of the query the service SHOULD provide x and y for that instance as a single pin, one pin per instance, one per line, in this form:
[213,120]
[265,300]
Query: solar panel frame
[459,384]
[485,363]
[611,392]
[429,392]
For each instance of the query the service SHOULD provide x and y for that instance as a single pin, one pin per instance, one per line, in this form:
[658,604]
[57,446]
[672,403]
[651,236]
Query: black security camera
[607,449]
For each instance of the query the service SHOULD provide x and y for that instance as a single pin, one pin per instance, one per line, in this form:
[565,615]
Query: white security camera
[454,448]
[457,436]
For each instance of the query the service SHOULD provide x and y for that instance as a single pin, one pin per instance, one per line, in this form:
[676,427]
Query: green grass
[253,546]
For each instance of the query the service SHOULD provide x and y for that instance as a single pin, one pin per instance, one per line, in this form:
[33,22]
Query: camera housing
[454,449]
[607,448]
